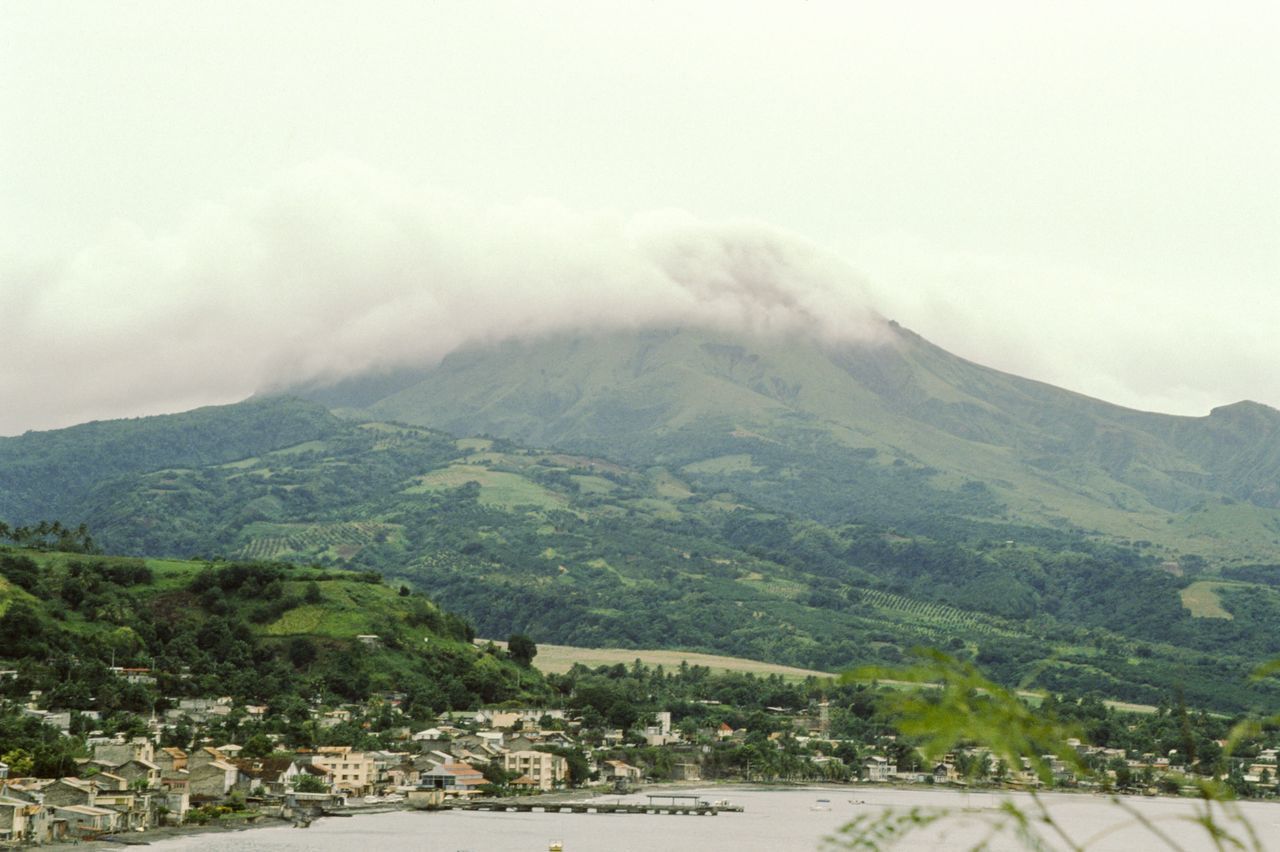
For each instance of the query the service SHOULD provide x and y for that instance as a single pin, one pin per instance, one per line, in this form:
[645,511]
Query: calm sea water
[790,819]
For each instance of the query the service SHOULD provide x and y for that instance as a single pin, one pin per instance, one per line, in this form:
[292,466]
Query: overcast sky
[201,199]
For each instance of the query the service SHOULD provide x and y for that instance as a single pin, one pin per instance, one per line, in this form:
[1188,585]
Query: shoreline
[264,821]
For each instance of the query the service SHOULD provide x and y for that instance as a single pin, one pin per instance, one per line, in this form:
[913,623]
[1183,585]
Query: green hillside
[264,632]
[900,433]
[777,499]
[44,474]
[581,550]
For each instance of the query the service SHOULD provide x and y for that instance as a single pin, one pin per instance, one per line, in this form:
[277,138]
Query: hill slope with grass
[583,550]
[897,432]
[45,474]
[269,633]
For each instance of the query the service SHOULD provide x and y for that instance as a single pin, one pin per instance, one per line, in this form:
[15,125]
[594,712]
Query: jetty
[668,804]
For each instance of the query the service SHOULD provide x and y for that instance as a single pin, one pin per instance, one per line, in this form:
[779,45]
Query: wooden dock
[671,805]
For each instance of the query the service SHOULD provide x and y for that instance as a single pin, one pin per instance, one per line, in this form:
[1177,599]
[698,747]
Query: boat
[821,805]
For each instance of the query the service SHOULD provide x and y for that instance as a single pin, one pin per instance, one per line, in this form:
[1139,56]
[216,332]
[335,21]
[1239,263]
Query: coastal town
[133,784]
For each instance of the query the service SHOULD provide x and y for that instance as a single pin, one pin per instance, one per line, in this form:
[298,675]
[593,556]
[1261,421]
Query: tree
[258,745]
[19,762]
[522,649]
[20,629]
[308,783]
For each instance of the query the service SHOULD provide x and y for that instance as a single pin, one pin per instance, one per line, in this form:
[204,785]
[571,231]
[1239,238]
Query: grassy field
[1202,600]
[557,659]
[497,488]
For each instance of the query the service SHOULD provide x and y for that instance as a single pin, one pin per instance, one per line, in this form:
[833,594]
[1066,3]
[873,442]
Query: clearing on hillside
[558,659]
[1202,599]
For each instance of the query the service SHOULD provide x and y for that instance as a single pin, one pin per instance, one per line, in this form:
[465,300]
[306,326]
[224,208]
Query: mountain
[780,499]
[580,549]
[897,431]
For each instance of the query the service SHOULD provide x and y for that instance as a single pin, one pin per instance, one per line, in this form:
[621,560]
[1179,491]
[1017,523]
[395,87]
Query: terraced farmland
[340,541]
[932,617]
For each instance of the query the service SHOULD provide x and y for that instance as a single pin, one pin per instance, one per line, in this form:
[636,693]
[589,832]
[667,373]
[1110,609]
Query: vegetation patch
[732,463]
[593,484]
[497,488]
[1202,600]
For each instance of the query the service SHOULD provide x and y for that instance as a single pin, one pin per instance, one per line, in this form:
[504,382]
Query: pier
[656,804]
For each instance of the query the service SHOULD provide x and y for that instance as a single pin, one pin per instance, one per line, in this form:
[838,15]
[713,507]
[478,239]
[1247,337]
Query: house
[21,820]
[658,733]
[177,802]
[617,770]
[333,718]
[456,779]
[203,756]
[134,809]
[118,751]
[431,759]
[686,772]
[212,780]
[507,718]
[522,742]
[403,774]
[230,751]
[170,760]
[269,774]
[428,735]
[877,768]
[69,791]
[468,741]
[177,782]
[110,781]
[61,721]
[504,719]
[139,772]
[546,770]
[483,753]
[384,764]
[86,821]
[134,674]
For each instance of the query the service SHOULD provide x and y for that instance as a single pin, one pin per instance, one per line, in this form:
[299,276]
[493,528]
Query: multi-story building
[352,771]
[546,769]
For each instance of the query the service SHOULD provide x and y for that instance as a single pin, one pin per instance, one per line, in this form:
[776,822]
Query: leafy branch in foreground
[961,706]
[947,704]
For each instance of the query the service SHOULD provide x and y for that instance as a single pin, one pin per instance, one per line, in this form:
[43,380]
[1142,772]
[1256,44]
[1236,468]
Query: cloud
[335,268]
[1151,340]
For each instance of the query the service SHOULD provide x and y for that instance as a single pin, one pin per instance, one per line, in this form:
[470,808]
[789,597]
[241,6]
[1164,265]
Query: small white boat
[821,805]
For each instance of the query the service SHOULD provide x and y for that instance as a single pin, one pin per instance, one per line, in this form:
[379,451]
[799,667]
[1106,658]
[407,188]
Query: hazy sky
[201,199]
